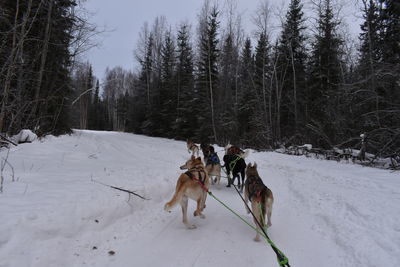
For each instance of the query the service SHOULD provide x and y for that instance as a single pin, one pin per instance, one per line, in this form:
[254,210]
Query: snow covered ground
[56,212]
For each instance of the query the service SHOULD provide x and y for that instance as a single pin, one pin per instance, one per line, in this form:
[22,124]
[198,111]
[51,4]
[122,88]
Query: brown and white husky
[260,196]
[192,184]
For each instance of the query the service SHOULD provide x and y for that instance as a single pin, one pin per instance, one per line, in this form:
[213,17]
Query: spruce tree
[145,94]
[325,78]
[167,106]
[207,77]
[291,71]
[226,108]
[247,99]
[262,119]
[185,123]
[388,133]
[366,94]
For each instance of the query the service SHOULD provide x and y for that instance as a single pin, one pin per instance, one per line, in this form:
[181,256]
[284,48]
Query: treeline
[214,83]
[218,86]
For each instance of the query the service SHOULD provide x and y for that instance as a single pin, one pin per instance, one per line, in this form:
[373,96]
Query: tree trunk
[294,89]
[43,59]
[10,70]
[211,94]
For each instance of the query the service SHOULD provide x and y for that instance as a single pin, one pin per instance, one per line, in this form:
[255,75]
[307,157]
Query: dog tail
[176,198]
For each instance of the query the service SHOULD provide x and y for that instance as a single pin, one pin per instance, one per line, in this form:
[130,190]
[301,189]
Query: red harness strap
[201,183]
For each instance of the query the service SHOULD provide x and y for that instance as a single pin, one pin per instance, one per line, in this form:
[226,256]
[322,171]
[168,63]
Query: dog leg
[228,173]
[243,175]
[184,205]
[246,199]
[238,178]
[256,211]
[268,206]
[197,212]
[203,201]
[229,182]
[240,185]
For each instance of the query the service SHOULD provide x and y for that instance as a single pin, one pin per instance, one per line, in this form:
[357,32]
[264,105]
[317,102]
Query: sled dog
[192,147]
[212,162]
[260,196]
[234,161]
[191,184]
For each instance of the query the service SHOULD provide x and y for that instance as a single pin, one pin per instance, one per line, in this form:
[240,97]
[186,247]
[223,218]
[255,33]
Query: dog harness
[255,180]
[199,171]
[213,159]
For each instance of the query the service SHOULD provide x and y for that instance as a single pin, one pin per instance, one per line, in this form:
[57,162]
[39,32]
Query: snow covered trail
[55,214]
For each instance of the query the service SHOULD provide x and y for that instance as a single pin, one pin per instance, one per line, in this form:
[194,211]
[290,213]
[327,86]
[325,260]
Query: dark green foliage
[35,65]
[185,124]
[207,78]
[247,100]
[275,95]
[326,76]
[168,92]
[261,120]
[291,72]
[378,92]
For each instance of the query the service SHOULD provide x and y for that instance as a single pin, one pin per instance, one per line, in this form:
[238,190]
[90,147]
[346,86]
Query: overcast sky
[124,19]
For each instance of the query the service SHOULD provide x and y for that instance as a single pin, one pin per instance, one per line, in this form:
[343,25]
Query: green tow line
[283,261]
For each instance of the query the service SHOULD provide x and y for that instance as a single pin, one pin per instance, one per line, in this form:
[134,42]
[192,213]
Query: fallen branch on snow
[7,140]
[121,189]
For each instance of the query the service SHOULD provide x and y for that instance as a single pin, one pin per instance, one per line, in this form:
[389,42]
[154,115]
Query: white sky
[124,19]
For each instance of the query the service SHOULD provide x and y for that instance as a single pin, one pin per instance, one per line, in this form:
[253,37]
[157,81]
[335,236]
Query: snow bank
[24,136]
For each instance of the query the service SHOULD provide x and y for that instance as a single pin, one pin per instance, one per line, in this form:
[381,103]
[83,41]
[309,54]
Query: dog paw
[257,239]
[202,216]
[167,208]
[191,226]
[269,224]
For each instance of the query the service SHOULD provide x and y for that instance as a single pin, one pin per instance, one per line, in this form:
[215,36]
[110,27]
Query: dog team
[196,180]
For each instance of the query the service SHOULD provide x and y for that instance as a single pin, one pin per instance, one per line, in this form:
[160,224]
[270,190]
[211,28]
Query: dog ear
[249,165]
[255,165]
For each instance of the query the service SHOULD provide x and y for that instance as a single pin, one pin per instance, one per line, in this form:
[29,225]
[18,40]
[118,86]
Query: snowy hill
[57,212]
